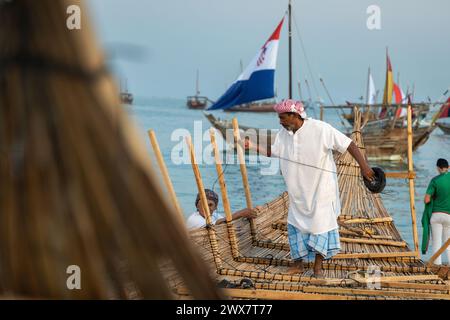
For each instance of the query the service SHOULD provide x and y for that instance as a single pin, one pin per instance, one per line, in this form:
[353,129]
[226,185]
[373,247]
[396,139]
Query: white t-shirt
[314,203]
[195,220]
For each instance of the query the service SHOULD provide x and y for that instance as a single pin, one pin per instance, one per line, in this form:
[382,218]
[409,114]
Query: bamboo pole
[366,220]
[401,175]
[321,112]
[394,120]
[400,256]
[241,158]
[347,231]
[386,279]
[375,242]
[327,266]
[285,246]
[374,255]
[442,288]
[226,202]
[262,294]
[438,253]
[165,174]
[411,182]
[204,204]
[370,292]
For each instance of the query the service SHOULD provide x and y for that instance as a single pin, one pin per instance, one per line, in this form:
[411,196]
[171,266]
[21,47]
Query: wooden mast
[197,89]
[290,50]
[368,86]
[300,91]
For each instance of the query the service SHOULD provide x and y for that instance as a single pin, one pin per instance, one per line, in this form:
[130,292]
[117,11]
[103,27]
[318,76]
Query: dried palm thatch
[76,187]
[369,242]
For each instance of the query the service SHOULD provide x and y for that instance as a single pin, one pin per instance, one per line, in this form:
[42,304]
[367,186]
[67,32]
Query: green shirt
[439,190]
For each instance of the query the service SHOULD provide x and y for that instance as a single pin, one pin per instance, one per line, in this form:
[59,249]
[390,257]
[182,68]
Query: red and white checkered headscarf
[289,105]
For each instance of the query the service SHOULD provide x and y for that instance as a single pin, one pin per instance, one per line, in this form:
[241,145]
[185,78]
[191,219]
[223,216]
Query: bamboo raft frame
[371,241]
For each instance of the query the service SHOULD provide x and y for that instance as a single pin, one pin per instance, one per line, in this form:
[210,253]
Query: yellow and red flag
[389,85]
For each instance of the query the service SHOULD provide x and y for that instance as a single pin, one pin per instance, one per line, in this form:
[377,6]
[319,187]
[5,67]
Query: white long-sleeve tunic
[314,203]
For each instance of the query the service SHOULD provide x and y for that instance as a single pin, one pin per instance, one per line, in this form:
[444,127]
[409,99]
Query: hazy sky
[179,36]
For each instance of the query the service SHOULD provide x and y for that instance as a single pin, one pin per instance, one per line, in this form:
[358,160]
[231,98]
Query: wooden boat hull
[196,106]
[390,145]
[422,109]
[445,127]
[126,98]
[256,135]
[252,107]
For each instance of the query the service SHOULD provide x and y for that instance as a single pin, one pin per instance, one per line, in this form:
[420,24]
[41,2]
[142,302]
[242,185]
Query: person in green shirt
[438,197]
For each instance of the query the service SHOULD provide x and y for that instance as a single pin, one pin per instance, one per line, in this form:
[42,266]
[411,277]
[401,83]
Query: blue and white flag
[257,80]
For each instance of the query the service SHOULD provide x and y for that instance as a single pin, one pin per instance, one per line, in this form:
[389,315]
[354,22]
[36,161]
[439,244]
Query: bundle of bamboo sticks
[76,187]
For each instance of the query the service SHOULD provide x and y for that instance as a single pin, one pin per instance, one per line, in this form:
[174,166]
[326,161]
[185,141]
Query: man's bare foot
[318,273]
[296,268]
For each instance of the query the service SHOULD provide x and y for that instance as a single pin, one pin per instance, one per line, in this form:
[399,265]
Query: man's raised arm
[366,171]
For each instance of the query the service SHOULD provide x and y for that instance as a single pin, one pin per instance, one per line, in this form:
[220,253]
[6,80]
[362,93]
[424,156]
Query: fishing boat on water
[197,102]
[265,106]
[444,113]
[257,135]
[250,258]
[385,110]
[384,126]
[126,97]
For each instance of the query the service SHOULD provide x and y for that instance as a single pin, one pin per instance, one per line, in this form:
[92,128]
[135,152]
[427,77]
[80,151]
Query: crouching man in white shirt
[197,219]
[304,147]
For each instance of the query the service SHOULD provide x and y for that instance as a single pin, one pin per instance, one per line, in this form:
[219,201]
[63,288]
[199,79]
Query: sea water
[167,117]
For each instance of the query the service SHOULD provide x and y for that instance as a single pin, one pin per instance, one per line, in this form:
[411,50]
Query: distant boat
[126,97]
[197,102]
[253,107]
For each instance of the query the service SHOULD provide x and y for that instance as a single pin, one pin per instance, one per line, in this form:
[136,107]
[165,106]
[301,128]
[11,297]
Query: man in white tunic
[304,147]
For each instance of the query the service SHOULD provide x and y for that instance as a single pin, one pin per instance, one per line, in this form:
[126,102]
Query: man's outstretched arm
[366,171]
[258,148]
[244,213]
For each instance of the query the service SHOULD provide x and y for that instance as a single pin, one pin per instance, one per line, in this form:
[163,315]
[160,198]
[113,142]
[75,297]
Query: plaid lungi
[305,246]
